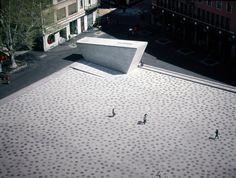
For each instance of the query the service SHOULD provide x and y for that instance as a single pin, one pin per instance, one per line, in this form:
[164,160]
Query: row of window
[213,19]
[65,11]
[72,8]
[197,13]
[219,5]
[60,13]
[177,4]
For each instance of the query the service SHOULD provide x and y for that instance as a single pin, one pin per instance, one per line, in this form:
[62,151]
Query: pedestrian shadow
[212,138]
[73,57]
[140,123]
[110,116]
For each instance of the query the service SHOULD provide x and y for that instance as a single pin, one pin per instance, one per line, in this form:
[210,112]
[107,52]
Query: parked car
[3,57]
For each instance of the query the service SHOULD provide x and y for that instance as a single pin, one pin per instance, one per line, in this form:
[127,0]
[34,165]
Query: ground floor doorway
[82,24]
[73,27]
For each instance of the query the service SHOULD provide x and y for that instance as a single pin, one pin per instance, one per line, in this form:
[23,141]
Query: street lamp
[173,15]
[195,23]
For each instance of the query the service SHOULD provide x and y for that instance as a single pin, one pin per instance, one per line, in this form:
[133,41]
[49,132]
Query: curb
[19,68]
[217,85]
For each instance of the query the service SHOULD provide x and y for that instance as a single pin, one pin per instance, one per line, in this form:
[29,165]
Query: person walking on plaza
[113,112]
[144,119]
[217,134]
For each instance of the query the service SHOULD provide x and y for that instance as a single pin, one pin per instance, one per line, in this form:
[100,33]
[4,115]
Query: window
[209,3]
[203,15]
[181,7]
[227,22]
[222,22]
[61,13]
[194,12]
[229,7]
[217,20]
[213,18]
[72,8]
[198,13]
[81,4]
[165,3]
[168,4]
[190,11]
[185,8]
[177,5]
[208,16]
[219,4]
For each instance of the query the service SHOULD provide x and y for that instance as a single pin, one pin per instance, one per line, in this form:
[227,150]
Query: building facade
[121,2]
[66,19]
[208,24]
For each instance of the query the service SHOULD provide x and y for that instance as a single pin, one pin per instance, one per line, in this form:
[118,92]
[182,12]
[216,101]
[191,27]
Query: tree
[20,22]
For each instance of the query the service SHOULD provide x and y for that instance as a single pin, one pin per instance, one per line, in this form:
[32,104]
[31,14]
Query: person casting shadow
[144,120]
[113,113]
[216,135]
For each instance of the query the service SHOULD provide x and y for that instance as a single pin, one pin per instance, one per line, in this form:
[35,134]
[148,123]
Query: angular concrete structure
[120,55]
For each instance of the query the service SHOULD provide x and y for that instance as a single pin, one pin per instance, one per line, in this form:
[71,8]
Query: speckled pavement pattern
[61,128]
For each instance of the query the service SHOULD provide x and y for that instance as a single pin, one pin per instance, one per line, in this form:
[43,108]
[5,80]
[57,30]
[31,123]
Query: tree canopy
[20,22]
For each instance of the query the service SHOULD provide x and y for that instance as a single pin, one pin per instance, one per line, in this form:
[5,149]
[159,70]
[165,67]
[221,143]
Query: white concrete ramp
[94,69]
[120,55]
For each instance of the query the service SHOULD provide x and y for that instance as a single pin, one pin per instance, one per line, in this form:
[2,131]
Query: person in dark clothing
[217,134]
[144,119]
[113,112]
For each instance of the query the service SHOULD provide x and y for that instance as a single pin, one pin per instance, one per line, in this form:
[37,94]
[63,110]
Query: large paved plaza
[60,127]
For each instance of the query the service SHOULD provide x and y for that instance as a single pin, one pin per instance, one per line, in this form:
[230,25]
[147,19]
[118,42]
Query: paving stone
[61,128]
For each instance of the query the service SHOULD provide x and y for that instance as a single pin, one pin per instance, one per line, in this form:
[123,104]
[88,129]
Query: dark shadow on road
[74,57]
